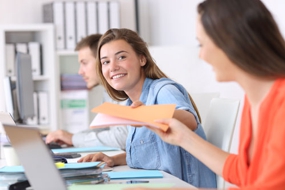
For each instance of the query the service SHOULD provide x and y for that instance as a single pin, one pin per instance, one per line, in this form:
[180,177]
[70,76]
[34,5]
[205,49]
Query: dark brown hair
[246,31]
[151,70]
[90,41]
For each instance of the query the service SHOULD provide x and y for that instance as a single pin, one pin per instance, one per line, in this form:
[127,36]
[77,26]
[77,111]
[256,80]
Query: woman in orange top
[242,42]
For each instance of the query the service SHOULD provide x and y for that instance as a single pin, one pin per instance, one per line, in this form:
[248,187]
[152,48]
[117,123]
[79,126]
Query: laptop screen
[35,157]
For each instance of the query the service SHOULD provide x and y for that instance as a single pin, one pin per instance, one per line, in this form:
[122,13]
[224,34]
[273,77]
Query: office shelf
[44,34]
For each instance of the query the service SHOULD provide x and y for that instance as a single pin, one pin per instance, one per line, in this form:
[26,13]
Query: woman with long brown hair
[128,72]
[241,41]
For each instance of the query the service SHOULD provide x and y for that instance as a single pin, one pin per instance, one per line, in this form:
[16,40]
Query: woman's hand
[176,132]
[98,157]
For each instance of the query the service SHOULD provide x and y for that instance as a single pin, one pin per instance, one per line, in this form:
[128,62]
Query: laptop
[4,118]
[35,157]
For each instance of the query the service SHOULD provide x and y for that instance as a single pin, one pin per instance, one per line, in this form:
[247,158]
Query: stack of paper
[113,114]
[67,166]
[71,172]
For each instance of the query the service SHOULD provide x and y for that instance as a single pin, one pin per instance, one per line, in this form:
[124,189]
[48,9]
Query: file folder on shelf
[43,107]
[70,25]
[114,14]
[80,21]
[34,120]
[92,17]
[21,47]
[10,59]
[54,13]
[35,52]
[103,17]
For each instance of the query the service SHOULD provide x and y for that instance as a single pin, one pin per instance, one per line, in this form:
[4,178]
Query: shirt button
[142,141]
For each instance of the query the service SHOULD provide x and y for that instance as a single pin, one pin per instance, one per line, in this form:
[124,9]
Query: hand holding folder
[113,114]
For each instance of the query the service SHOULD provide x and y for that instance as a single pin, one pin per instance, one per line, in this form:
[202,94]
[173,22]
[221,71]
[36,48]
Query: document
[113,114]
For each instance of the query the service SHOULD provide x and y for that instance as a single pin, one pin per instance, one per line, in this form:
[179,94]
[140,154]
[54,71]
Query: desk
[167,178]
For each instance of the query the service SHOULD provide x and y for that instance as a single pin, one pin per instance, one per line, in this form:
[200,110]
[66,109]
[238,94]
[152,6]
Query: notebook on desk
[39,166]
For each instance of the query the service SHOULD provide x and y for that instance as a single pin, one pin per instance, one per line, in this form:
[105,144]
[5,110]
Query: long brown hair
[246,31]
[151,70]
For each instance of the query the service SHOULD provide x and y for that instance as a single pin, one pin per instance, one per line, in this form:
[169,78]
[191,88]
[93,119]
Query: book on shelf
[72,82]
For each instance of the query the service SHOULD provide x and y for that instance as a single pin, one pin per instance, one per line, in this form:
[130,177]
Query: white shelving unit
[44,34]
[67,63]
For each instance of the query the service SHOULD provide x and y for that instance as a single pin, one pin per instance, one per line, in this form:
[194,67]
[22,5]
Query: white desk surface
[167,178]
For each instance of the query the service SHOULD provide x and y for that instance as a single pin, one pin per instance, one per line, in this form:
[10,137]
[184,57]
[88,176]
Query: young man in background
[113,136]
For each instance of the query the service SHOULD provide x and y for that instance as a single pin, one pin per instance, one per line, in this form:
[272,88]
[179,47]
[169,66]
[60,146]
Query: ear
[142,60]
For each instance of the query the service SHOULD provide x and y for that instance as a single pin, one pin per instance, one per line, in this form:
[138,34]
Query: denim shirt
[146,150]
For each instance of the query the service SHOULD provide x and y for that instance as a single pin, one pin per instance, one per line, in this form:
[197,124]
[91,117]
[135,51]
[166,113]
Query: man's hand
[61,137]
[98,157]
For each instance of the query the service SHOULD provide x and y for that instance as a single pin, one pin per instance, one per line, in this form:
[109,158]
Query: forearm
[114,137]
[186,118]
[85,138]
[119,159]
[204,151]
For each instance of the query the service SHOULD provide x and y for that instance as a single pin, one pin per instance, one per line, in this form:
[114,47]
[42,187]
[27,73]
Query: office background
[162,23]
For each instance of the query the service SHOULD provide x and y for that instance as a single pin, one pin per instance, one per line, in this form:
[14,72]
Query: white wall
[172,22]
[30,11]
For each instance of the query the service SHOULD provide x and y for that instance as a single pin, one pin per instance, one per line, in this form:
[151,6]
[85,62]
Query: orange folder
[113,114]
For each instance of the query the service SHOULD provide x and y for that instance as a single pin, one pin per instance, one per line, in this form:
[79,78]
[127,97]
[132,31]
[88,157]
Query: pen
[137,181]
[101,164]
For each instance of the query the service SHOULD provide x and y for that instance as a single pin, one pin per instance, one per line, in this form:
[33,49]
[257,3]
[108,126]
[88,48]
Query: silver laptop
[35,157]
[4,118]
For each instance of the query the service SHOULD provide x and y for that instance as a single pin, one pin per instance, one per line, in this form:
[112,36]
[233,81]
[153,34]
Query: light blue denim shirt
[146,150]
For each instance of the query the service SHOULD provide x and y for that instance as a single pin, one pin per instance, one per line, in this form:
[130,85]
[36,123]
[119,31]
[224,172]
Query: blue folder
[20,169]
[85,149]
[133,174]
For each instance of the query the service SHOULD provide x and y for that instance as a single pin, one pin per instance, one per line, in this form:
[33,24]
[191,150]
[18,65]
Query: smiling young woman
[128,72]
